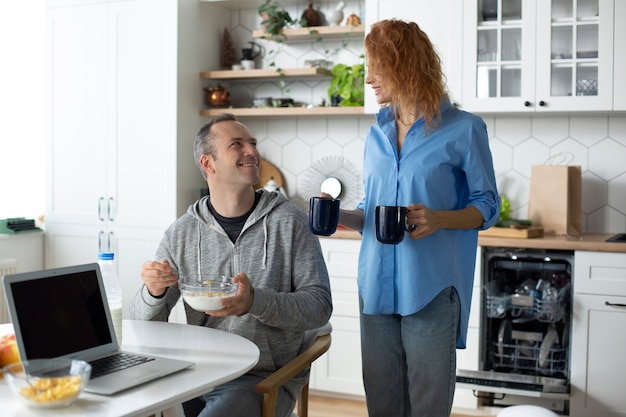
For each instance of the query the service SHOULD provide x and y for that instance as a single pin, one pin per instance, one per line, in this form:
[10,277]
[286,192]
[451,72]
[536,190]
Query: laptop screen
[60,313]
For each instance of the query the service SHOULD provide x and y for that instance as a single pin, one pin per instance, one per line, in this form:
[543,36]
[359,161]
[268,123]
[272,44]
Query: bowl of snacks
[47,383]
[206,295]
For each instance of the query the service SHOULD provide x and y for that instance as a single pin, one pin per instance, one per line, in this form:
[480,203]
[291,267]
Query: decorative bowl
[262,102]
[206,295]
[47,383]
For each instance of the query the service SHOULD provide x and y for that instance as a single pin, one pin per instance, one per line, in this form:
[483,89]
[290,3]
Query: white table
[219,357]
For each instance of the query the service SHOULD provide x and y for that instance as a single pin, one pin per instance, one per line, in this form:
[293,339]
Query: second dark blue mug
[390,224]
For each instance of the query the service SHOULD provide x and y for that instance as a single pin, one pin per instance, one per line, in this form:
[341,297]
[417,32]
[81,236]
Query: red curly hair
[405,57]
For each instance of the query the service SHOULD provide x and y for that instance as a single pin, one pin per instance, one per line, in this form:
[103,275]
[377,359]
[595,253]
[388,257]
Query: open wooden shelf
[265,74]
[314,32]
[285,111]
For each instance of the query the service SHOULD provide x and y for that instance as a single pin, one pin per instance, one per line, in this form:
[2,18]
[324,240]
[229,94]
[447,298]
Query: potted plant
[347,85]
[275,17]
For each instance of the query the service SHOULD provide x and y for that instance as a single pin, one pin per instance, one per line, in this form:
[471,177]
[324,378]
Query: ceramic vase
[336,16]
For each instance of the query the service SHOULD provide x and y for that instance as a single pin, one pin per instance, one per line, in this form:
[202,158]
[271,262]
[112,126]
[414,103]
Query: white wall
[22,146]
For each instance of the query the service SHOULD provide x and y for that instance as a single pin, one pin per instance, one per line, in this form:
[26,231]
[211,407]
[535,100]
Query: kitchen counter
[588,241]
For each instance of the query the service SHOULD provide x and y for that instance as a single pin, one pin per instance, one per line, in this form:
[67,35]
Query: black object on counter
[620,238]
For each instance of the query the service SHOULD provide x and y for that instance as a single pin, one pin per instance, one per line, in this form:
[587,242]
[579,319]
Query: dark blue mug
[390,224]
[323,215]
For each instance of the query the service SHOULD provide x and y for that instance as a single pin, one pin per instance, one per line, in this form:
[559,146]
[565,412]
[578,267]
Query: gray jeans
[237,398]
[409,362]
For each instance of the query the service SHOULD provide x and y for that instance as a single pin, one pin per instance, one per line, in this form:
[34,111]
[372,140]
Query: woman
[425,154]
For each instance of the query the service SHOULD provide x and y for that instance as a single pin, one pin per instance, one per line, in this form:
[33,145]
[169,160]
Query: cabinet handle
[109,209]
[109,242]
[527,103]
[491,396]
[606,303]
[100,239]
[100,202]
[542,103]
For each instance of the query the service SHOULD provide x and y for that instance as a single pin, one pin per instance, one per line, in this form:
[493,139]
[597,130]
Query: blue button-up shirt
[448,168]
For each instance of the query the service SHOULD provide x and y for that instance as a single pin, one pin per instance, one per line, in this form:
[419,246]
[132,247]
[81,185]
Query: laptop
[63,312]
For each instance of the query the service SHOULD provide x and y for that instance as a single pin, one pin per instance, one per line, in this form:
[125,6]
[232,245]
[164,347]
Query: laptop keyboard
[116,362]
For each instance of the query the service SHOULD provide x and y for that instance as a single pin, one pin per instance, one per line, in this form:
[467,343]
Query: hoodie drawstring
[199,251]
[265,243]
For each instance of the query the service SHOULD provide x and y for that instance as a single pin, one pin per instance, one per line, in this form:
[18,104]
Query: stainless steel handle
[110,240]
[100,202]
[100,238]
[110,209]
[606,303]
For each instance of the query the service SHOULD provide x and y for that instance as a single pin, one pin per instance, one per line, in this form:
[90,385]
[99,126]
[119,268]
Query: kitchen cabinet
[122,99]
[619,81]
[441,21]
[538,56]
[339,370]
[598,336]
[291,35]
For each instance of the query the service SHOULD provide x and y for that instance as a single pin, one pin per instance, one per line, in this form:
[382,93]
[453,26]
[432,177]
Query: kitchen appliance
[525,327]
[249,54]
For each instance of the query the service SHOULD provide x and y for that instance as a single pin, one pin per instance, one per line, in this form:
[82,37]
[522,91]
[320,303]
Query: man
[261,240]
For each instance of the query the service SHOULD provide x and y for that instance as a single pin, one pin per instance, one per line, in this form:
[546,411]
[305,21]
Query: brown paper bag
[556,198]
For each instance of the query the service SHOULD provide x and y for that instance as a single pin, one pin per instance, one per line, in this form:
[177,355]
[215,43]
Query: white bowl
[206,295]
[48,383]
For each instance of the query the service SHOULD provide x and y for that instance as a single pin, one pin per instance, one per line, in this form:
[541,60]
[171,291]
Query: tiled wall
[307,149]
[300,148]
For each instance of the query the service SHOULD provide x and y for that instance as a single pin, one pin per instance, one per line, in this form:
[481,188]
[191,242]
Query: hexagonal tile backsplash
[294,145]
[596,143]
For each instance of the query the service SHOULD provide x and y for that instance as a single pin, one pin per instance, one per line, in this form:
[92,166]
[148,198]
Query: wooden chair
[316,343]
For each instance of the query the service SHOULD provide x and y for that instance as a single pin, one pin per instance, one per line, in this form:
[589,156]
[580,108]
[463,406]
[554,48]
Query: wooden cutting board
[527,233]
[267,171]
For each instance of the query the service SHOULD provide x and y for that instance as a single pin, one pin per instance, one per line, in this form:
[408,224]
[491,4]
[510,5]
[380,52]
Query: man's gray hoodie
[280,256]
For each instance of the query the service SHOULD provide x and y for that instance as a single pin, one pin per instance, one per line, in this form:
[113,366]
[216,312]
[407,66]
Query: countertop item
[587,241]
[520,233]
[268,171]
[218,356]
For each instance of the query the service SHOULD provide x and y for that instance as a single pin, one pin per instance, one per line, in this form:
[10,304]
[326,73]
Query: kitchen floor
[321,406]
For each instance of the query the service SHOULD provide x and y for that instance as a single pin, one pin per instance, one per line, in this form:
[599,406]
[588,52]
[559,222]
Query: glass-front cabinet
[538,55]
[619,81]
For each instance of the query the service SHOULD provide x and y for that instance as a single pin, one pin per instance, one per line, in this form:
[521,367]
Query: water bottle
[113,289]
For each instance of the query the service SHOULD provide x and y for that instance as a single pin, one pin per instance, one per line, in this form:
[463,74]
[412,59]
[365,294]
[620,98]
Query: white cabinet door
[339,370]
[619,64]
[77,115]
[142,138]
[575,55]
[598,360]
[602,273]
[440,20]
[499,57]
